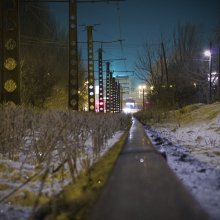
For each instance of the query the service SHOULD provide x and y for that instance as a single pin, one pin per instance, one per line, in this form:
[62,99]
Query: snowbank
[192,145]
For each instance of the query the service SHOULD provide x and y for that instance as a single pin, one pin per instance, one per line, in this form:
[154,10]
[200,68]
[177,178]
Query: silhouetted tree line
[176,70]
[44,55]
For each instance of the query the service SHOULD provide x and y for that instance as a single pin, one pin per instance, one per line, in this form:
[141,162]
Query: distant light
[129,110]
[142,87]
[207,53]
[214,78]
[96,90]
[141,160]
[152,88]
[195,85]
[126,110]
[130,103]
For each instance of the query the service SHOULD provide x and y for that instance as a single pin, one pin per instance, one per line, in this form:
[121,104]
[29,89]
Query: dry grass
[76,200]
[55,143]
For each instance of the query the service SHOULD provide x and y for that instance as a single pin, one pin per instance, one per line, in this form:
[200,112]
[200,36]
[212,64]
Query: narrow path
[142,187]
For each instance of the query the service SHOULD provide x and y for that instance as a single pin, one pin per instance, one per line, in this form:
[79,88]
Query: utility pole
[10,61]
[119,97]
[111,93]
[91,78]
[108,87]
[165,64]
[73,57]
[116,96]
[101,89]
[113,97]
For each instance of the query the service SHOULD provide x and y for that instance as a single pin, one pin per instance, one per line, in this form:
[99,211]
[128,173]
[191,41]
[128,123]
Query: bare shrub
[58,144]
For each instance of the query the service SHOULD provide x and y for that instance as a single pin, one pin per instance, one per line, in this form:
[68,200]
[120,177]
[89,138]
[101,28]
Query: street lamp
[142,88]
[208,54]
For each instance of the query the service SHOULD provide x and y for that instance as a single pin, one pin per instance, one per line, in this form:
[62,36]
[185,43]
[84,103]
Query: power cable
[120,33]
[67,1]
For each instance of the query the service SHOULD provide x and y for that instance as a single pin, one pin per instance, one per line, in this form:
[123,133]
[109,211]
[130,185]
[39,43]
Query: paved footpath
[142,186]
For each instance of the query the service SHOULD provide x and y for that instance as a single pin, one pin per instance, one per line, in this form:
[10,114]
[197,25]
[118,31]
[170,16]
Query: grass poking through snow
[75,201]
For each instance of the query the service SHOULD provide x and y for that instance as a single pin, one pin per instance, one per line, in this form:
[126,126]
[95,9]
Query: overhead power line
[102,42]
[107,60]
[124,71]
[87,1]
[120,33]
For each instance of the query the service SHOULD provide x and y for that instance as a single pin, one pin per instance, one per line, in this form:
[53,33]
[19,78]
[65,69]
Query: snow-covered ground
[192,146]
[13,174]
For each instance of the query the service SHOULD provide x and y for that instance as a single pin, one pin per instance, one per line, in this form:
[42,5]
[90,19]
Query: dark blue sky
[138,21]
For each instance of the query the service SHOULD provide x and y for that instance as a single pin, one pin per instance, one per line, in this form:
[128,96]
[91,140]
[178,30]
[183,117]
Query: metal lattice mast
[118,97]
[108,87]
[111,93]
[121,98]
[10,62]
[115,95]
[91,79]
[101,89]
[73,57]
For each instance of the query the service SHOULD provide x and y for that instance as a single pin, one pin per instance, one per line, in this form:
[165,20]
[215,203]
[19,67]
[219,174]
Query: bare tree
[145,62]
[187,65]
[217,39]
[177,72]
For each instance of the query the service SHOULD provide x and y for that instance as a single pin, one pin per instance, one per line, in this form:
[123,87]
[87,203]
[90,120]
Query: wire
[41,39]
[102,42]
[39,19]
[120,33]
[37,44]
[108,60]
[67,1]
[28,40]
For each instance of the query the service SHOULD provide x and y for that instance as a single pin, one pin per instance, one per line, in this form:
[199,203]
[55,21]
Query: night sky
[138,21]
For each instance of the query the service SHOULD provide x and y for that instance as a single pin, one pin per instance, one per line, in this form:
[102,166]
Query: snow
[191,143]
[9,211]
[193,153]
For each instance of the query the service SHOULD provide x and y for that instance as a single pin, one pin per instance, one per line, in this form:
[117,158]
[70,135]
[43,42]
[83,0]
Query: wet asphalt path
[142,187]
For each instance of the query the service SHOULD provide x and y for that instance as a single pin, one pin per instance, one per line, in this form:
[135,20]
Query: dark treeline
[44,57]
[176,70]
